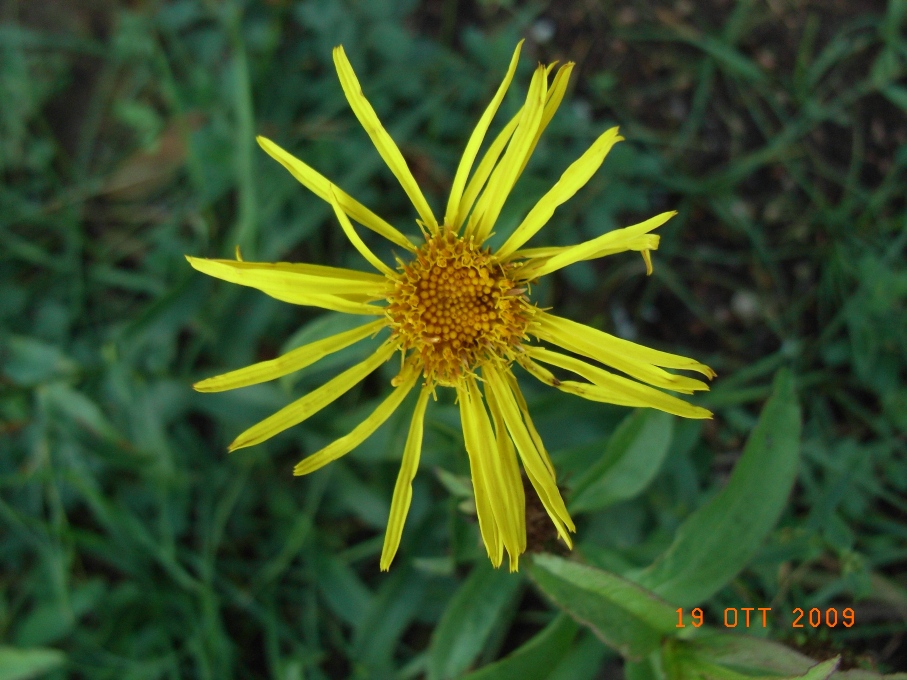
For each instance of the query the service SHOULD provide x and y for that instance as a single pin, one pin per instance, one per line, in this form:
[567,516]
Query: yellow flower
[460,316]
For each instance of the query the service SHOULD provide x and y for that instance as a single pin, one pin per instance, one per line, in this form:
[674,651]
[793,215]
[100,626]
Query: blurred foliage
[133,547]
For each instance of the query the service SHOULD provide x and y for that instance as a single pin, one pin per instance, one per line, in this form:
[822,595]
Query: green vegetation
[132,546]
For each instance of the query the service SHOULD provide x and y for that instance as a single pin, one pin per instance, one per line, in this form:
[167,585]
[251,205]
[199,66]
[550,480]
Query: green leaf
[740,657]
[886,69]
[897,95]
[740,653]
[73,405]
[28,361]
[729,58]
[584,659]
[631,460]
[20,664]
[389,614]
[479,605]
[51,621]
[718,539]
[344,592]
[457,486]
[821,671]
[537,658]
[624,615]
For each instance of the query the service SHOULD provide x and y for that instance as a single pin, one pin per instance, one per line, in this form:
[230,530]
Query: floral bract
[461,317]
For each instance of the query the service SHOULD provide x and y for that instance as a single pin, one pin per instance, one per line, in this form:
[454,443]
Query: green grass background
[135,546]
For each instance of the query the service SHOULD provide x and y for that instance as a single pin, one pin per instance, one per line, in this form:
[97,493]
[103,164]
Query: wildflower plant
[460,316]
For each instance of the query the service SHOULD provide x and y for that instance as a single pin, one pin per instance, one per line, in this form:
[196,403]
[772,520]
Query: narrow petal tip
[647,257]
[240,442]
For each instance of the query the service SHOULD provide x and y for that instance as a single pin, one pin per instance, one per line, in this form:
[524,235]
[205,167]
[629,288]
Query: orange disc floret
[457,306]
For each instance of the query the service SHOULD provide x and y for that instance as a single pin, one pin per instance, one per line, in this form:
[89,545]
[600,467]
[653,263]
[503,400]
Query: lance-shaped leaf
[632,458]
[481,604]
[738,657]
[23,663]
[537,658]
[625,616]
[718,539]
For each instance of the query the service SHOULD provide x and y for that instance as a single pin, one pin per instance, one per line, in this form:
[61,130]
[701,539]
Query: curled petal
[546,260]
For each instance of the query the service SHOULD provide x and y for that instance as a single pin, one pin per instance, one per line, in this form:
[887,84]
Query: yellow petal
[487,525]
[651,399]
[538,256]
[380,138]
[588,339]
[542,480]
[553,98]
[319,185]
[552,101]
[348,442]
[286,275]
[507,503]
[571,181]
[510,481]
[285,364]
[313,402]
[613,389]
[611,351]
[635,237]
[524,411]
[354,238]
[505,174]
[451,217]
[403,489]
[541,253]
[477,182]
[647,258]
[342,290]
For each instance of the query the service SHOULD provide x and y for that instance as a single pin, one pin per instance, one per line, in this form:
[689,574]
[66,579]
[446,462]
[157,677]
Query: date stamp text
[759,616]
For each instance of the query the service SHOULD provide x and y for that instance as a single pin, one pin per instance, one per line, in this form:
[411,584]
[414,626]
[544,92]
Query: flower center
[457,306]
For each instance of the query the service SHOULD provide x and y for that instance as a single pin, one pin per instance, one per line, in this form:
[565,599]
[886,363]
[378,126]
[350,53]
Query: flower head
[461,316]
